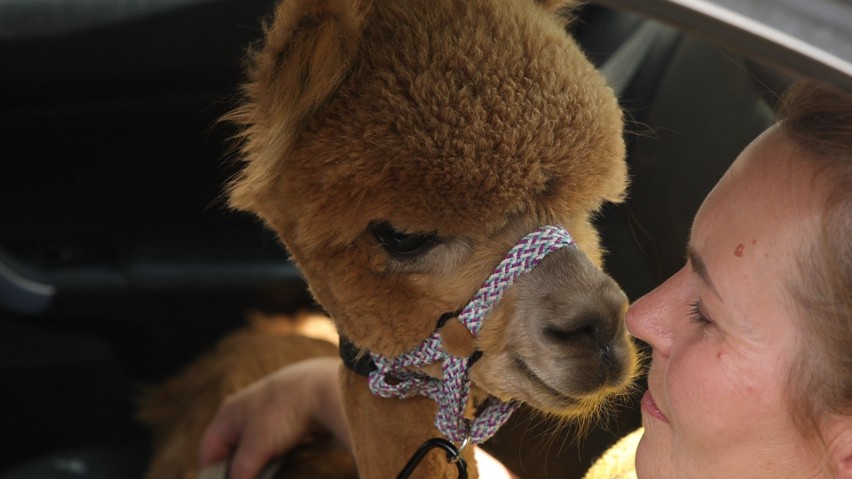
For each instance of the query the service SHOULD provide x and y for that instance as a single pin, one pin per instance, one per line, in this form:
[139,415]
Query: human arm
[270,416]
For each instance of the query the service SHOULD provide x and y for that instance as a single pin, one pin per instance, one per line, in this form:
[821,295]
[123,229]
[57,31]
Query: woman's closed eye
[697,316]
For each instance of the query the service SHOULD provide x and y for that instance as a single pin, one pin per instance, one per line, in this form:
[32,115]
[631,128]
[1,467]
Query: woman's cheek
[694,392]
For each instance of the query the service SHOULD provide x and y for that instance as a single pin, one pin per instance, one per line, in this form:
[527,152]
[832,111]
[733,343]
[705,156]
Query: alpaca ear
[307,51]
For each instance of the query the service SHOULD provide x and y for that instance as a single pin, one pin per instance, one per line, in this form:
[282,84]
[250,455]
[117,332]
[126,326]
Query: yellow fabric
[618,461]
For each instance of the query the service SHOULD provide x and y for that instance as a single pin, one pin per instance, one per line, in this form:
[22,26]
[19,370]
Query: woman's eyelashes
[696,315]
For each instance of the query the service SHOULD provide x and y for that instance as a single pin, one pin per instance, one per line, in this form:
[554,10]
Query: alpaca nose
[571,306]
[592,330]
[593,320]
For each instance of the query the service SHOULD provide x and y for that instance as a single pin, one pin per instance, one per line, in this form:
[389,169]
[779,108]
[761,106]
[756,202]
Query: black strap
[453,454]
[354,359]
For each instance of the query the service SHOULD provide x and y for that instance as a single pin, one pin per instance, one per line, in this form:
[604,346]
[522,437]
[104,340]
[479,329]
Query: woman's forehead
[756,223]
[770,184]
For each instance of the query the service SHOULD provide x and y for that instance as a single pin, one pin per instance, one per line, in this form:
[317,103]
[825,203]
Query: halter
[452,391]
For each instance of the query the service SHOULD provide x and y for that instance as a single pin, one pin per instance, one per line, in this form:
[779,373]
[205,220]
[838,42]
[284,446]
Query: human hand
[270,416]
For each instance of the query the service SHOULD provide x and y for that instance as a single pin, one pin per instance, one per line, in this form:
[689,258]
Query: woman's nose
[651,317]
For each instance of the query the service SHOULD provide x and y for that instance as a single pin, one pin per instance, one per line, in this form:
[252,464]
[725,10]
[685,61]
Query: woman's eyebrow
[701,270]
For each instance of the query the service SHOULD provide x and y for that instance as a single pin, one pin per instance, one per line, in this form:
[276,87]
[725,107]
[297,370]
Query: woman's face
[723,329]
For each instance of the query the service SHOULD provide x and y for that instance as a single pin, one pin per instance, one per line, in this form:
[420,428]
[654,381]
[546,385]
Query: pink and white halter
[451,392]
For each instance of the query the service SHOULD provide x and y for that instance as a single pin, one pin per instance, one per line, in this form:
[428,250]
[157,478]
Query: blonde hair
[819,120]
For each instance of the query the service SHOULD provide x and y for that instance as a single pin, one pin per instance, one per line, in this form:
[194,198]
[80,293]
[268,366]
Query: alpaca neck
[386,432]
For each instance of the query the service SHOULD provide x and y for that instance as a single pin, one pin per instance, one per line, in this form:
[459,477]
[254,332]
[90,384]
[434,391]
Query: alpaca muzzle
[397,377]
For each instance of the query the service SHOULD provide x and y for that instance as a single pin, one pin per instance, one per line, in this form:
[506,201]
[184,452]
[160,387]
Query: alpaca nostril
[592,330]
[587,333]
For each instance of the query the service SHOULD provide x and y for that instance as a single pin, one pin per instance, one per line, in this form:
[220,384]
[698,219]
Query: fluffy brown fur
[179,410]
[474,121]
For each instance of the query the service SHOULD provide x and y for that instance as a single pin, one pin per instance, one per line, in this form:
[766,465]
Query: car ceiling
[810,39]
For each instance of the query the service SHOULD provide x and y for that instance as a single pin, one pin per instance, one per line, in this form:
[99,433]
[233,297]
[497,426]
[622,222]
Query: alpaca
[401,151]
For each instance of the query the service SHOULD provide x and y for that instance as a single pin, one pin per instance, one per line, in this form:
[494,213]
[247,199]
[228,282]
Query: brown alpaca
[400,149]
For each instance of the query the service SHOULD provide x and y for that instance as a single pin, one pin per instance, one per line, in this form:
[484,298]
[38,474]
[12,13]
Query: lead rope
[452,391]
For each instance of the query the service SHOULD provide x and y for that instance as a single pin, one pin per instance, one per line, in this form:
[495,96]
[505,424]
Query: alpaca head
[400,149]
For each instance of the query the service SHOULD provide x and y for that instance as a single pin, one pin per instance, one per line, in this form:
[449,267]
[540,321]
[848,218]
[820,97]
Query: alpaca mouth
[563,400]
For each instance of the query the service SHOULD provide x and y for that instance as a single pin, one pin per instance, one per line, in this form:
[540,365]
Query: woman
[751,372]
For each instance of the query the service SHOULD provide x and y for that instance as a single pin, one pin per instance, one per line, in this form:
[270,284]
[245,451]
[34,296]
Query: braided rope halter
[452,391]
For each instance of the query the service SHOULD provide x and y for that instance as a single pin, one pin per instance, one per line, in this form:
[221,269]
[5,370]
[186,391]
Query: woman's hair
[819,120]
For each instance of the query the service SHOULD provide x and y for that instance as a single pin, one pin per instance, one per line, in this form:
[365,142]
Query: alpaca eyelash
[696,315]
[402,246]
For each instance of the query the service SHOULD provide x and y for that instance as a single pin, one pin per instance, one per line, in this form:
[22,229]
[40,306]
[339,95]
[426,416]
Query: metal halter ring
[462,447]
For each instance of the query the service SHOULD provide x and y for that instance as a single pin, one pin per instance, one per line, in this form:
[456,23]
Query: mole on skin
[739,251]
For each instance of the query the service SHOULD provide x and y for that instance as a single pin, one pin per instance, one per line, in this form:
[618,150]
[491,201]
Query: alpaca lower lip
[565,401]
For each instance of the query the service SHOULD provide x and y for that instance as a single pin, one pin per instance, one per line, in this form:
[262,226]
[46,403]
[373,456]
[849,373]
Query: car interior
[120,261]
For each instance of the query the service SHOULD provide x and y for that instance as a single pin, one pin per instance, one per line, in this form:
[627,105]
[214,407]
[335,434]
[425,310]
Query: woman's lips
[650,407]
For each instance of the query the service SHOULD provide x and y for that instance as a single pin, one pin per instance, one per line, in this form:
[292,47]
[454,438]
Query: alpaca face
[555,341]
[400,149]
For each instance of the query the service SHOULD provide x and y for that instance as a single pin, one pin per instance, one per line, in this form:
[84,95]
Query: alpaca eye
[402,245]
